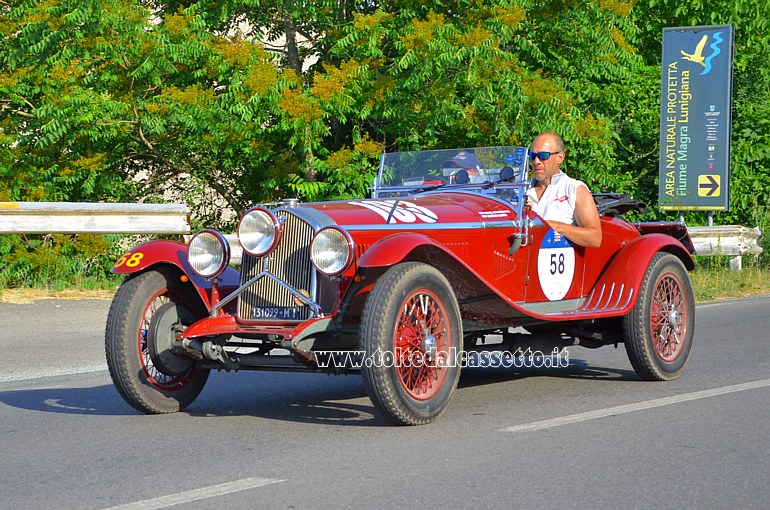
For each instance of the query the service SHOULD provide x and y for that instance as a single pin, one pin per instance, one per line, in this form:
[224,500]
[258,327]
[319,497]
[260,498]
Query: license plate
[277,312]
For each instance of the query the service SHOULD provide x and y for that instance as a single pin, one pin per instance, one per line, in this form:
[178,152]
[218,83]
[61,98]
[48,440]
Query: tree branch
[141,133]
[19,112]
[24,114]
[232,200]
[113,122]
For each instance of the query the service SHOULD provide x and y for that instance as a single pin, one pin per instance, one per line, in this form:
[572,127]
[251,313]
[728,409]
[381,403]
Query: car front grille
[267,300]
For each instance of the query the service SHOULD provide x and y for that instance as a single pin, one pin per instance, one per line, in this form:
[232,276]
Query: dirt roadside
[26,296]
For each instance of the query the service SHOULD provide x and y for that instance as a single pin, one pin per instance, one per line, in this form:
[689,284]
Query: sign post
[696,118]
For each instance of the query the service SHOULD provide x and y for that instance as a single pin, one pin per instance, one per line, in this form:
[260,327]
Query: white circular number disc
[555,265]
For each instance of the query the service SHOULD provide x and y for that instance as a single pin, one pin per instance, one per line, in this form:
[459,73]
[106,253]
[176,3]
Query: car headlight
[331,251]
[208,253]
[258,231]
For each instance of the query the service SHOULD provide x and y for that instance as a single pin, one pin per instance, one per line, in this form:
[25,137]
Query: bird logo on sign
[697,55]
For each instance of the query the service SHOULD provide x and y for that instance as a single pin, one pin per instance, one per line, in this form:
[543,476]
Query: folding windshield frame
[416,172]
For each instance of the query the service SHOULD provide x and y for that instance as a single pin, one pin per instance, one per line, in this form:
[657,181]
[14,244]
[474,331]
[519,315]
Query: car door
[555,269]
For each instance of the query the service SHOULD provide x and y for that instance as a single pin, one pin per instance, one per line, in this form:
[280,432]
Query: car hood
[441,207]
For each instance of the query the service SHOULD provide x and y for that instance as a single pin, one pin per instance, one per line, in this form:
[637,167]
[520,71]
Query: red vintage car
[405,287]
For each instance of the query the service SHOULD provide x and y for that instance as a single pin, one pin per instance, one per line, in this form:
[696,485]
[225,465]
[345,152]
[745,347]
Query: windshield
[404,173]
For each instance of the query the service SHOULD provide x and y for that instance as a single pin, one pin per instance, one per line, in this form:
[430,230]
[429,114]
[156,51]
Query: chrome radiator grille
[266,299]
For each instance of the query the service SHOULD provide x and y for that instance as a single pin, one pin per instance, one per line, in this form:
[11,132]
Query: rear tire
[411,332]
[139,381]
[658,333]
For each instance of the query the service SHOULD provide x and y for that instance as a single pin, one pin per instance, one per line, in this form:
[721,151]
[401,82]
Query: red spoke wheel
[411,332]
[422,345]
[149,310]
[658,332]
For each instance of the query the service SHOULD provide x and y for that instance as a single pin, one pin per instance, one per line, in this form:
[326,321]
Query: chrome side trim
[609,296]
[601,294]
[406,227]
[620,295]
[630,296]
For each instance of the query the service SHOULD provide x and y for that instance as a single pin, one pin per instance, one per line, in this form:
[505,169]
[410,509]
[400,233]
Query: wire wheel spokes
[156,377]
[668,318]
[422,341]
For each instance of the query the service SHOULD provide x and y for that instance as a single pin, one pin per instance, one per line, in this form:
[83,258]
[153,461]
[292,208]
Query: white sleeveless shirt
[558,200]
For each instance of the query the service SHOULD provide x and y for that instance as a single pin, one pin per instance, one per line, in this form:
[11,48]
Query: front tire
[658,332]
[146,374]
[411,332]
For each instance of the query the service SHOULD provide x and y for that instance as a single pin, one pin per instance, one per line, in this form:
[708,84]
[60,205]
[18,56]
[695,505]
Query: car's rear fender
[172,253]
[618,287]
[643,248]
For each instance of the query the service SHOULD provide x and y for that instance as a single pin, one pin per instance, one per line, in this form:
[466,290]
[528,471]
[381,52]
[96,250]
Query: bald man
[564,203]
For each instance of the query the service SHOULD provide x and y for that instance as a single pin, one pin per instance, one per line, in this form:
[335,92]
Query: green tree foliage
[109,99]
[467,73]
[104,97]
[56,260]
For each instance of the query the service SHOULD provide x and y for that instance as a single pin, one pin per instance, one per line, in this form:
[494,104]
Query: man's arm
[588,231]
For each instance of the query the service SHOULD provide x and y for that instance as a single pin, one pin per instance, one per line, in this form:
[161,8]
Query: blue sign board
[695,118]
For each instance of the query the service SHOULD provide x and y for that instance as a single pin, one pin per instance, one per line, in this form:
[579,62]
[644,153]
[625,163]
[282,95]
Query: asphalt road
[591,435]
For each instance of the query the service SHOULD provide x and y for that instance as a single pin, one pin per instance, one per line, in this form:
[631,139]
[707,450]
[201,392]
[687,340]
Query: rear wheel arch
[681,254]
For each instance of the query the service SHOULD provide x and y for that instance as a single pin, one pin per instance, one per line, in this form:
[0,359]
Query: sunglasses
[542,155]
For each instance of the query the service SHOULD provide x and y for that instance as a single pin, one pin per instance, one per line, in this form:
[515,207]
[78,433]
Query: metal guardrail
[731,241]
[726,240]
[93,218]
[103,218]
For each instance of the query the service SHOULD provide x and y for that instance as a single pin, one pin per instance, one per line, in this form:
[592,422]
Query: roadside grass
[712,279]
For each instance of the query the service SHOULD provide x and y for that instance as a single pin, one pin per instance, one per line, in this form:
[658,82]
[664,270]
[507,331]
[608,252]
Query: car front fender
[395,248]
[154,253]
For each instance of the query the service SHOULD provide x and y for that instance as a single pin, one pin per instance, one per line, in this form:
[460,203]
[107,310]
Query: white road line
[197,494]
[47,372]
[639,406]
